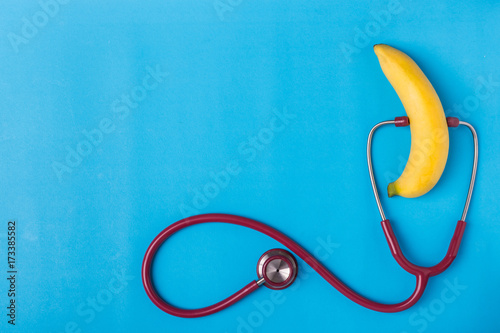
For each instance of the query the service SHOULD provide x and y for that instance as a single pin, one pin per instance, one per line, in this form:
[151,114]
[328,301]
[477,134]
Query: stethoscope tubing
[422,274]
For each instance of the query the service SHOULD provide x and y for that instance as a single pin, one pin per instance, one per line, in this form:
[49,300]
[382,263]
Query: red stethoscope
[277,268]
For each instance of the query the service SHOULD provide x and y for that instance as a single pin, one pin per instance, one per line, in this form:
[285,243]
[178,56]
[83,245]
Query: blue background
[227,73]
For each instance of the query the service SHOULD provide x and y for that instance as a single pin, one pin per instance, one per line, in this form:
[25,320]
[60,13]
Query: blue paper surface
[117,118]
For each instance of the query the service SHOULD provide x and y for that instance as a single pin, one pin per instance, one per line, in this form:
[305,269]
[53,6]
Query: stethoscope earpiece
[277,269]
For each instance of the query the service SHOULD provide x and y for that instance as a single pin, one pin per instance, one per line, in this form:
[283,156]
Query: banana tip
[391,190]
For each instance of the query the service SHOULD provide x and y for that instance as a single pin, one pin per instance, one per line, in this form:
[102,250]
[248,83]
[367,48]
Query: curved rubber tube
[422,274]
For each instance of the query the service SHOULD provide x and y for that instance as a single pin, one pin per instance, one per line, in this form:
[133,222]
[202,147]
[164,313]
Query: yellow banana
[428,127]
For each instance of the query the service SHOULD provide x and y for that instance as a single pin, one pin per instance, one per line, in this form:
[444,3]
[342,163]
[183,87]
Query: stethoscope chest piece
[277,269]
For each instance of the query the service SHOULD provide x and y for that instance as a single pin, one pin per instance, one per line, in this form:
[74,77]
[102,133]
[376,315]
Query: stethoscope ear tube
[404,121]
[422,274]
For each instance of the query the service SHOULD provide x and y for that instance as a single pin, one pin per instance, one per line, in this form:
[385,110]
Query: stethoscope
[277,268]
